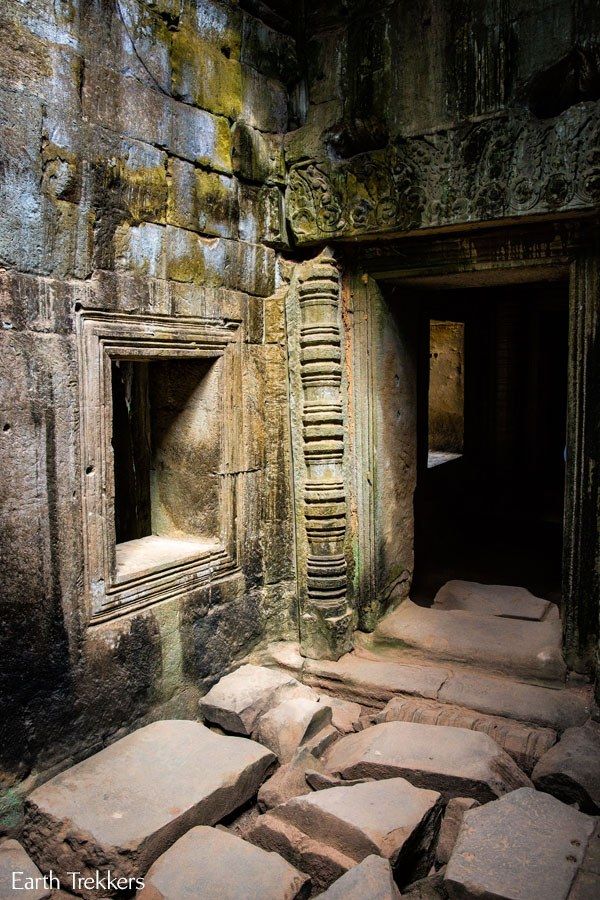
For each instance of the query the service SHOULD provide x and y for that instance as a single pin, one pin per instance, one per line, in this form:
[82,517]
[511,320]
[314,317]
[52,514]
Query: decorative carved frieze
[316,367]
[491,170]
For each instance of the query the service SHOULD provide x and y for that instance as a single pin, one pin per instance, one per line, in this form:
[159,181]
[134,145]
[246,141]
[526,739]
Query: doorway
[491,436]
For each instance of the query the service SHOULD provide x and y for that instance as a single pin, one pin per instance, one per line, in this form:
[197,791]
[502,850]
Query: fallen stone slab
[124,806]
[19,875]
[524,743]
[322,740]
[453,761]
[501,600]
[289,780]
[570,770]
[450,827]
[322,862]
[392,819]
[525,846]
[237,700]
[286,726]
[209,862]
[345,715]
[372,879]
[515,647]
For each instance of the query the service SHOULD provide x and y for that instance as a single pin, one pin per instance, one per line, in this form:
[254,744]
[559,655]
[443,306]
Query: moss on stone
[203,75]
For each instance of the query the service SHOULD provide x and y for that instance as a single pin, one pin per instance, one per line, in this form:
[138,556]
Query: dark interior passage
[494,513]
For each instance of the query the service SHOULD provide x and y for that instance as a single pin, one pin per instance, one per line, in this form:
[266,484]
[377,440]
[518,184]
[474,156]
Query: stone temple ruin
[300,449]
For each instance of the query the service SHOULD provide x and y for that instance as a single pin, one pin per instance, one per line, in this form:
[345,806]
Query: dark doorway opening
[493,512]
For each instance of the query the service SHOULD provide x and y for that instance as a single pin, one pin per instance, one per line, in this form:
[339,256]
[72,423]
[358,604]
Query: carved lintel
[316,359]
[486,171]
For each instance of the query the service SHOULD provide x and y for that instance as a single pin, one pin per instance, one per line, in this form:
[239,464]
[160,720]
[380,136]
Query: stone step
[515,647]
[525,846]
[210,863]
[123,807]
[453,761]
[328,832]
[372,680]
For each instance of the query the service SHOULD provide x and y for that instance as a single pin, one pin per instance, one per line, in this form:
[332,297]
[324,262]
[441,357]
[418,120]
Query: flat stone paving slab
[123,807]
[372,879]
[237,700]
[516,647]
[500,600]
[453,761]
[19,875]
[525,846]
[571,769]
[211,863]
[392,819]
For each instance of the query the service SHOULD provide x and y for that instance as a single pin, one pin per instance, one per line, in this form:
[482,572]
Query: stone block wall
[141,173]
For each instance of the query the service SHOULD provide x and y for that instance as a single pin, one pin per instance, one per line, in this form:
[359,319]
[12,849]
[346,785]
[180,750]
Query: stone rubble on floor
[455,762]
[124,806]
[571,769]
[210,863]
[278,711]
[525,846]
[330,831]
[358,799]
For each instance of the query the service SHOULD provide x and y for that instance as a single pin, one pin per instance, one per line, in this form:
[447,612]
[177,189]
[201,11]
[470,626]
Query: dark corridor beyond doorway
[495,513]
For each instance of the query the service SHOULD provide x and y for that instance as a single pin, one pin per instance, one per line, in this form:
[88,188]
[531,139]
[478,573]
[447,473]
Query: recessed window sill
[155,553]
[439,457]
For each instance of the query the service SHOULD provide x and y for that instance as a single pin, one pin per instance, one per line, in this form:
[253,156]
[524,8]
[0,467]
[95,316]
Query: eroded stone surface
[17,869]
[372,879]
[500,600]
[571,769]
[525,846]
[209,862]
[238,700]
[392,819]
[121,808]
[454,761]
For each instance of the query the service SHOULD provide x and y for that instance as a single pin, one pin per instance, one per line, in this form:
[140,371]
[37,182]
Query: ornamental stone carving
[315,352]
[487,171]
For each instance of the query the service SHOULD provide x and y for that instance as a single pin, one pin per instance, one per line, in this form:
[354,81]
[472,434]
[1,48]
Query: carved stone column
[315,350]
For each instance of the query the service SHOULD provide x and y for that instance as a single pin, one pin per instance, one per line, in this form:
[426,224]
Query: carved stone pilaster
[315,349]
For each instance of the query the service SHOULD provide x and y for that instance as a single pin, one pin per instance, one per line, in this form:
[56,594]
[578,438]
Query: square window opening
[166,442]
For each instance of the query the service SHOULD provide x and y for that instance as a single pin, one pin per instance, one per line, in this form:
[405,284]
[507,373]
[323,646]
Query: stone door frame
[534,251]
